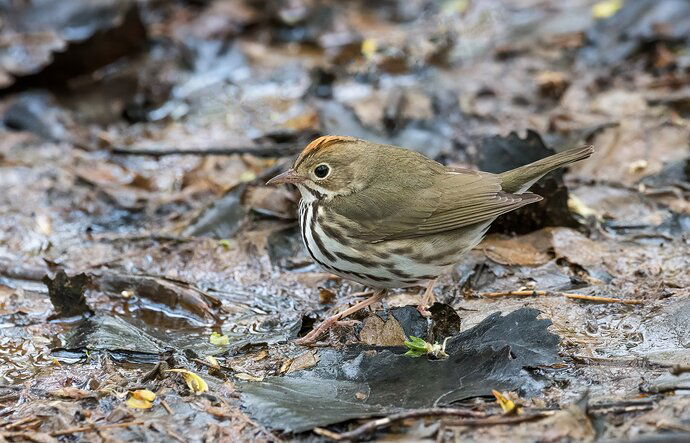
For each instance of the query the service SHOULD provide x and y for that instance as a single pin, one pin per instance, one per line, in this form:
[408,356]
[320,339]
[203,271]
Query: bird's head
[329,166]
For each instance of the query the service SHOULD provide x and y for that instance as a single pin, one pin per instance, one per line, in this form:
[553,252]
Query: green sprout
[418,347]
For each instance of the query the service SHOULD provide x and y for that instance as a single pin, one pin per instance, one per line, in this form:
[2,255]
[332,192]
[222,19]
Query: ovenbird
[388,217]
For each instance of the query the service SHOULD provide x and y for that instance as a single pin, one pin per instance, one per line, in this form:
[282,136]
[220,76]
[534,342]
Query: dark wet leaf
[222,219]
[35,112]
[181,299]
[445,321]
[357,383]
[67,294]
[637,23]
[500,154]
[87,35]
[114,335]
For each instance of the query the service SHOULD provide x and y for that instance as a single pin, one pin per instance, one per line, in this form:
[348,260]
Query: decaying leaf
[72,392]
[194,382]
[303,361]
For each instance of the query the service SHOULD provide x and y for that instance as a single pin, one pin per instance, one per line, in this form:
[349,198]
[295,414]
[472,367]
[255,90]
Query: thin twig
[499,419]
[680,369]
[167,407]
[20,422]
[592,298]
[598,299]
[509,293]
[639,362]
[94,427]
[274,150]
[373,425]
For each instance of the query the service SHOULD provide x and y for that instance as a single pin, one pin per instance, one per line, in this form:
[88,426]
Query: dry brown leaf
[303,361]
[377,332]
[72,392]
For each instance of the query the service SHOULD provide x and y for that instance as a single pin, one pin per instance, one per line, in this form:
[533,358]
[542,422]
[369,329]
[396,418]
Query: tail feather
[520,179]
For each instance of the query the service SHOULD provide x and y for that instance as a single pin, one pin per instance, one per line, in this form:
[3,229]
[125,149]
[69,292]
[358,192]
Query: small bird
[388,217]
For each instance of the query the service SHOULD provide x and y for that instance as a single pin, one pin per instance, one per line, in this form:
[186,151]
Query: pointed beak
[289,176]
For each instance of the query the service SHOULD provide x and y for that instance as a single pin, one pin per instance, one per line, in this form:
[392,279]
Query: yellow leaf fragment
[194,382]
[508,405]
[138,403]
[606,8]
[144,394]
[213,361]
[580,208]
[369,47]
[219,339]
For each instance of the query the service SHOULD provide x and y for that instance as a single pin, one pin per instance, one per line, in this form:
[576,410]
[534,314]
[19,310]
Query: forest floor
[137,235]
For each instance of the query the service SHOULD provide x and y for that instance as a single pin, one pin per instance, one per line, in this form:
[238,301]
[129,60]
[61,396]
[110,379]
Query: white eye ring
[322,168]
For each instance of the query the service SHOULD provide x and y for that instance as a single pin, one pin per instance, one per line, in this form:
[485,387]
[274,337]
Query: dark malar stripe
[314,192]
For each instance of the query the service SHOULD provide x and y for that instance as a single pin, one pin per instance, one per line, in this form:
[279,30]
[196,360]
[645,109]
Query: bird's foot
[428,299]
[423,309]
[327,324]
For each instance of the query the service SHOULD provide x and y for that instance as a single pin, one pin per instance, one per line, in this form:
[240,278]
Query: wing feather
[427,201]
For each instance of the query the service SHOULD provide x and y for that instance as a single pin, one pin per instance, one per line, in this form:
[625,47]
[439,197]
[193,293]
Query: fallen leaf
[212,361]
[508,405]
[377,332]
[138,403]
[144,394]
[248,377]
[219,339]
[606,8]
[303,361]
[72,392]
[195,383]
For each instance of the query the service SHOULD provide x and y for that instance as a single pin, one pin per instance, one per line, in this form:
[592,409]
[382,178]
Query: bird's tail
[520,179]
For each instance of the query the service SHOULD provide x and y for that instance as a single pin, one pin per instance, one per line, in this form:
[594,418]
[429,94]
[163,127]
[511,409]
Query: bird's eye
[321,171]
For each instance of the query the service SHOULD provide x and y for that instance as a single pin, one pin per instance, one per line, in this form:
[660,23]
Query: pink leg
[428,299]
[330,321]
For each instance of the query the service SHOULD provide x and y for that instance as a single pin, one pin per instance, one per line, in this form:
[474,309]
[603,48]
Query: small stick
[598,299]
[680,369]
[509,293]
[499,419]
[274,150]
[94,427]
[19,422]
[592,298]
[167,407]
[373,425]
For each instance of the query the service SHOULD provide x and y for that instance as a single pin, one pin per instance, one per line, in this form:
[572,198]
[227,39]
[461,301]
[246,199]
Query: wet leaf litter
[150,285]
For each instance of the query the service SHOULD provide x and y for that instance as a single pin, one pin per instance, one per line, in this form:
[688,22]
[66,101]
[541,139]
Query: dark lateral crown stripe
[318,144]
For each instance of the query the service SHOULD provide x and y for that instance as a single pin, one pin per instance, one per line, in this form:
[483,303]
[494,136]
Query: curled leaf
[194,382]
[141,399]
[138,403]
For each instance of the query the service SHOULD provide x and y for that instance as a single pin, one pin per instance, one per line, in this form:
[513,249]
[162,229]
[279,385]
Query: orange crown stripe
[321,143]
